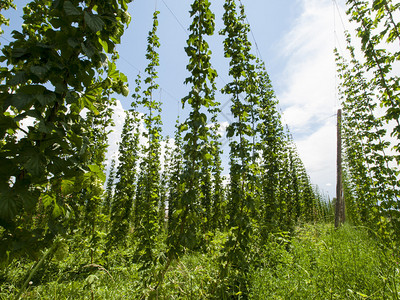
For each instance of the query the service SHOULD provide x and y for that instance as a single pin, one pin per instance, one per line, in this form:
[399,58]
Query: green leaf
[18,78]
[7,167]
[46,98]
[208,156]
[76,140]
[94,22]
[362,295]
[73,42]
[39,71]
[87,49]
[35,164]
[7,122]
[44,128]
[47,200]
[67,187]
[29,198]
[20,101]
[57,210]
[91,279]
[98,171]
[71,9]
[58,165]
[60,88]
[32,89]
[88,103]
[18,52]
[9,205]
[104,44]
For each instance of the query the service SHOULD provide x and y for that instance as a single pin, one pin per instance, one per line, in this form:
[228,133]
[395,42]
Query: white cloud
[115,135]
[222,127]
[310,69]
[24,124]
[297,117]
[308,97]
[318,153]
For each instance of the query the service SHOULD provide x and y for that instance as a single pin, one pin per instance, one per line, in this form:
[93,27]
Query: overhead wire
[219,77]
[5,39]
[337,42]
[340,14]
[137,69]
[140,71]
[129,63]
[176,18]
[337,9]
[258,52]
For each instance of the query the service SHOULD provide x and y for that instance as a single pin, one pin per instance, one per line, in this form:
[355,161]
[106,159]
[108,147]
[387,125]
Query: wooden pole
[339,209]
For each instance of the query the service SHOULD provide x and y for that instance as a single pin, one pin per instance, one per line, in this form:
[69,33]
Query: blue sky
[270,21]
[295,38]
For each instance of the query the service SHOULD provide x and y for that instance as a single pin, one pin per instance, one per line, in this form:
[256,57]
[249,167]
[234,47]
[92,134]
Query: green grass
[323,263]
[316,262]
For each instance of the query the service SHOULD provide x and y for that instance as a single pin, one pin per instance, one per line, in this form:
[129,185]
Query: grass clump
[314,262]
[320,262]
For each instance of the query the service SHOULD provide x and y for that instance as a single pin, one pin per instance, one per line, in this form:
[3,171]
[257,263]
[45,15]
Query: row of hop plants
[51,184]
[268,188]
[369,88]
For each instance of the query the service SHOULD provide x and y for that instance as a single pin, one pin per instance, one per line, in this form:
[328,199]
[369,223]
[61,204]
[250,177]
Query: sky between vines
[295,38]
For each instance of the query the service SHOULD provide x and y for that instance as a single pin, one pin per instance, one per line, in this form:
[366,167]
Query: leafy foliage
[316,261]
[242,172]
[371,156]
[195,177]
[61,72]
[51,79]
[5,4]
[148,198]
[121,208]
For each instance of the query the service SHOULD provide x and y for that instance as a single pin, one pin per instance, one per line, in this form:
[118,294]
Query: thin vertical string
[335,82]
